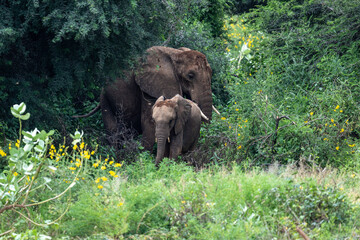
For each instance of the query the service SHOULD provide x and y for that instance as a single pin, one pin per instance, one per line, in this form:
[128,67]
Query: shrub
[27,182]
[293,89]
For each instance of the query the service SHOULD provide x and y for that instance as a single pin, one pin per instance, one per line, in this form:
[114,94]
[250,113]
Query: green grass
[176,202]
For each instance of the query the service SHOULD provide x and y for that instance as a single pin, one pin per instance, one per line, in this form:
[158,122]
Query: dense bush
[56,56]
[293,84]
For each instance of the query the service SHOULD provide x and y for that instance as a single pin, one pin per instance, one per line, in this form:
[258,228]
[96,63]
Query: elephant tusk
[215,110]
[203,116]
[169,139]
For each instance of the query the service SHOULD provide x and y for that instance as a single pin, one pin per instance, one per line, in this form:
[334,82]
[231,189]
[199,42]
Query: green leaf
[47,180]
[52,168]
[20,108]
[25,117]
[27,134]
[28,168]
[15,113]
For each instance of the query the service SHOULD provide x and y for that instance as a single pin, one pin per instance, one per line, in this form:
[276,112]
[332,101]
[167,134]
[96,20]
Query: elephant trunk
[161,137]
[204,101]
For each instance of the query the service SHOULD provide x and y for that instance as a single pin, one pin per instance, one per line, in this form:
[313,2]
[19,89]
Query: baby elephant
[178,121]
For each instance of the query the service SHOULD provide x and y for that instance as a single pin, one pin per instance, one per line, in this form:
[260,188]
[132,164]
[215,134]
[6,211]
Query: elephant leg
[109,118]
[147,125]
[176,145]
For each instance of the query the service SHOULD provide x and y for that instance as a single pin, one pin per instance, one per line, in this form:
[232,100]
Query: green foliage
[111,201]
[307,204]
[30,234]
[94,213]
[26,177]
[295,81]
[56,56]
[242,6]
[175,202]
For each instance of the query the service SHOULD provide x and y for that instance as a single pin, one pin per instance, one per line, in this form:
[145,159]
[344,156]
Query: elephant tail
[90,113]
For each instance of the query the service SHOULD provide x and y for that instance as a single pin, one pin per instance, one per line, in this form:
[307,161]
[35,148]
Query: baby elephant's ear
[182,114]
[160,99]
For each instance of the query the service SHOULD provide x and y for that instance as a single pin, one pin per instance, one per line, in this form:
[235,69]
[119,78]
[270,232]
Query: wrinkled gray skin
[177,126]
[164,72]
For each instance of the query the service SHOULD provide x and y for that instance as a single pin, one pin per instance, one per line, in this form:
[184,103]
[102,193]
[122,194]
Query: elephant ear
[156,75]
[183,113]
[160,99]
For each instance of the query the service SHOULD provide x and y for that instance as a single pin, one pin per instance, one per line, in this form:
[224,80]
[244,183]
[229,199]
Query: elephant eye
[171,123]
[191,75]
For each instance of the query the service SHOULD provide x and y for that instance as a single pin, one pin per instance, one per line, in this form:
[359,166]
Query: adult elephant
[163,72]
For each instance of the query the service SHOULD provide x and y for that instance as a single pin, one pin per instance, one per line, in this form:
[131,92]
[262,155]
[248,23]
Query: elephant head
[168,71]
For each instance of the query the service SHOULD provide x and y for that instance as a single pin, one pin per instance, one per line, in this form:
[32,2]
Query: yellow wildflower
[337,148]
[75,147]
[342,130]
[15,174]
[332,120]
[2,153]
[223,118]
[103,167]
[95,165]
[100,187]
[86,155]
[352,145]
[120,204]
[72,168]
[111,162]
[82,145]
[97,180]
[104,179]
[337,107]
[239,147]
[117,165]
[112,173]
[312,113]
